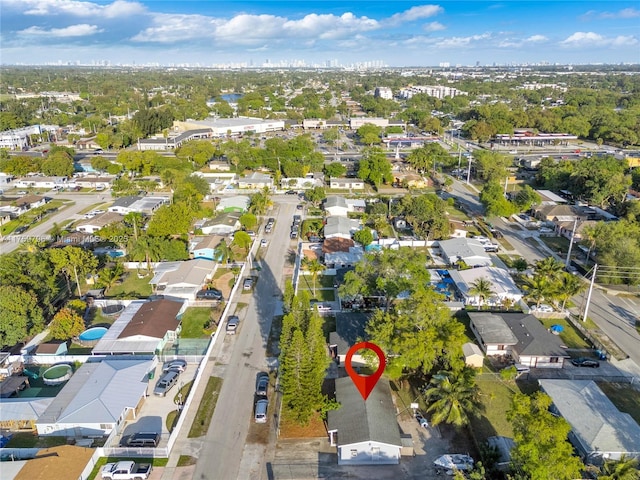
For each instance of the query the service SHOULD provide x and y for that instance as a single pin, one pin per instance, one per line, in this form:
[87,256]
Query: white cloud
[176,28]
[536,39]
[456,42]
[80,30]
[116,9]
[620,14]
[433,27]
[592,39]
[415,13]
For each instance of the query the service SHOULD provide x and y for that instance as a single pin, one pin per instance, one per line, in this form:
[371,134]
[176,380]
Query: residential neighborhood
[182,304]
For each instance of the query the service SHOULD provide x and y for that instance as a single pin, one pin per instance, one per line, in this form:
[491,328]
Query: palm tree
[223,251]
[109,276]
[148,249]
[481,288]
[549,267]
[539,288]
[569,286]
[624,469]
[314,267]
[453,397]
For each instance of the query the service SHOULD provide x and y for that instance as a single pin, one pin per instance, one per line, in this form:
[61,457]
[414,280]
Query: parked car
[262,384]
[232,324]
[247,284]
[421,420]
[261,411]
[585,362]
[166,383]
[543,308]
[20,230]
[143,439]
[545,230]
[294,234]
[126,470]
[290,192]
[211,294]
[299,206]
[178,365]
[268,228]
[263,242]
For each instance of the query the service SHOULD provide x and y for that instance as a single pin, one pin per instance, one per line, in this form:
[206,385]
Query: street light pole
[573,232]
[593,280]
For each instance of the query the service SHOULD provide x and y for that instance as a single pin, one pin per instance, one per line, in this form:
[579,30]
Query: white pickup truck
[126,470]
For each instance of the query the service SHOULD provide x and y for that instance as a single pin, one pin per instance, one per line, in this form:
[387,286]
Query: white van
[261,411]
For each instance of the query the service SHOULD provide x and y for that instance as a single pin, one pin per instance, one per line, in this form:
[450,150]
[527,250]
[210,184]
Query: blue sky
[398,33]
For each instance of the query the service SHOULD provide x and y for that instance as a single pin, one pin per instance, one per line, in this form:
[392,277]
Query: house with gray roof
[340,227]
[365,433]
[599,431]
[468,250]
[350,329]
[336,205]
[93,224]
[503,287]
[256,181]
[237,203]
[185,281]
[521,336]
[98,396]
[146,205]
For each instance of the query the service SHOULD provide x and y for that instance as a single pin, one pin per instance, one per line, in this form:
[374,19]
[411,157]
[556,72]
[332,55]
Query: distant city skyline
[318,33]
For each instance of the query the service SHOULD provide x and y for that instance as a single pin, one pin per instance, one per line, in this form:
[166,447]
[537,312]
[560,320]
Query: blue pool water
[95,333]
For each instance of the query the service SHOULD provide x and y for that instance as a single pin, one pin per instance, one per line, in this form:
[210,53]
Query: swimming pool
[92,334]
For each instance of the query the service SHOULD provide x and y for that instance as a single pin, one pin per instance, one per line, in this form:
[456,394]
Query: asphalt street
[80,202]
[222,452]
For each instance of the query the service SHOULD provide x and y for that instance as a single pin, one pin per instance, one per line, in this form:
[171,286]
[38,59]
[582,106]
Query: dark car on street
[585,362]
[262,384]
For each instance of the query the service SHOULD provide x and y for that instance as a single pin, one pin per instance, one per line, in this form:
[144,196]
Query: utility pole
[573,232]
[593,280]
[469,170]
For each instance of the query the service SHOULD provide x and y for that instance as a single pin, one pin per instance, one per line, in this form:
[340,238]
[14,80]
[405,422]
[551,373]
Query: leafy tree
[417,335]
[242,240]
[248,221]
[520,264]
[542,450]
[539,288]
[66,324]
[569,286]
[20,314]
[482,289]
[526,198]
[369,134]
[549,267]
[314,267]
[100,163]
[335,170]
[364,237]
[374,167]
[454,397]
[168,220]
[428,156]
[260,202]
[427,215]
[331,135]
[386,273]
[626,468]
[20,165]
[77,305]
[58,164]
[198,151]
[315,195]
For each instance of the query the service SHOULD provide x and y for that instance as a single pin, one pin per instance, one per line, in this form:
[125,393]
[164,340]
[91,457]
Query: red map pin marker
[365,383]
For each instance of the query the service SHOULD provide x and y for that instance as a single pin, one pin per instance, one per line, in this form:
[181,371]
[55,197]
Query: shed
[473,356]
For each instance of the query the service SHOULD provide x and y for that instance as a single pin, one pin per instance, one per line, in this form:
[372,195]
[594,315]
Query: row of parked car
[262,403]
[295,226]
[170,374]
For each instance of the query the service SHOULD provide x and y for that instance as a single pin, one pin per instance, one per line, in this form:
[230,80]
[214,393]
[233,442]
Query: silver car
[166,383]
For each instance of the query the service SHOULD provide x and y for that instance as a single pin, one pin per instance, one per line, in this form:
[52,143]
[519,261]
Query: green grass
[322,295]
[131,287]
[75,349]
[156,462]
[186,460]
[557,244]
[495,397]
[624,397]
[195,322]
[172,419]
[323,281]
[206,408]
[31,440]
[571,337]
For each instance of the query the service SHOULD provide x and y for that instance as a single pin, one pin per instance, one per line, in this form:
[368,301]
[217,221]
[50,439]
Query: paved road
[81,201]
[222,453]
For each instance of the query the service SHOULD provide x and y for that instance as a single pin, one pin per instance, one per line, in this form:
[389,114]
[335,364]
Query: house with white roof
[146,205]
[467,250]
[502,285]
[256,181]
[599,431]
[98,397]
[92,225]
[237,203]
[335,205]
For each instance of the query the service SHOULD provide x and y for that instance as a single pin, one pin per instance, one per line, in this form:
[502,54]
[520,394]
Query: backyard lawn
[571,337]
[195,322]
[131,287]
[323,281]
[557,244]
